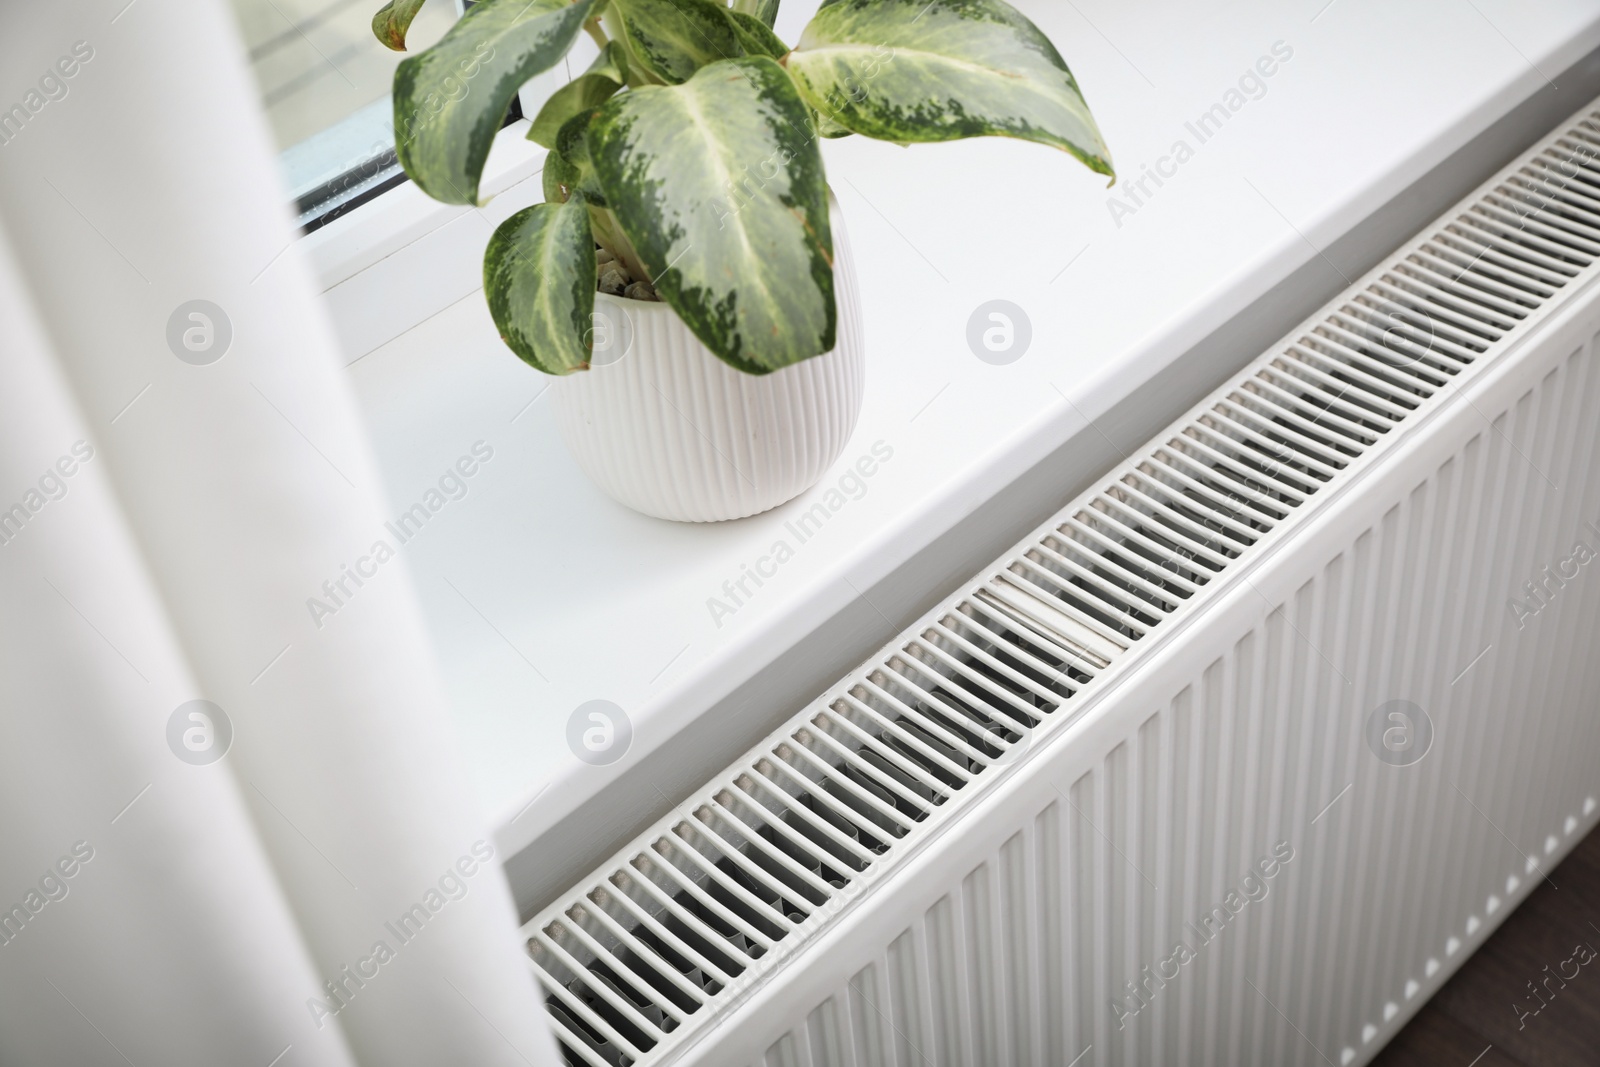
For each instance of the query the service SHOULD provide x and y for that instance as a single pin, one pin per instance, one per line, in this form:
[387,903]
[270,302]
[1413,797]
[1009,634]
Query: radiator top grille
[670,931]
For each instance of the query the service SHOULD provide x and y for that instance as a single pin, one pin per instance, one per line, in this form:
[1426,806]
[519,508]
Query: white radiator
[1234,761]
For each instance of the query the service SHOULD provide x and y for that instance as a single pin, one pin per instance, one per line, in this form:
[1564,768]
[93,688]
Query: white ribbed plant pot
[669,429]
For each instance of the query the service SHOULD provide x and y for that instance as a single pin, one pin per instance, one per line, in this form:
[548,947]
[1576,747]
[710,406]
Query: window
[324,82]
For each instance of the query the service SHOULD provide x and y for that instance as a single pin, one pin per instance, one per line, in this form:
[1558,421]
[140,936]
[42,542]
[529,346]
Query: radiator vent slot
[710,899]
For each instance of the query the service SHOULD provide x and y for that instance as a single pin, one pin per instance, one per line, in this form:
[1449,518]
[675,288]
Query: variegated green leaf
[572,145]
[756,37]
[559,177]
[450,99]
[590,89]
[718,183]
[939,70]
[765,10]
[671,39]
[538,276]
[392,21]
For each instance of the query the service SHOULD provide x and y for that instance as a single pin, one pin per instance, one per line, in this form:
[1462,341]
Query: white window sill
[543,594]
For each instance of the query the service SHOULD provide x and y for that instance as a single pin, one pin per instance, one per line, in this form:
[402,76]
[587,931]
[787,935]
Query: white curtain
[322,893]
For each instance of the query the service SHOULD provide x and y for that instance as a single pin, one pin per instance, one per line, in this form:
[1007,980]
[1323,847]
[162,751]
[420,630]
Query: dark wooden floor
[1474,1019]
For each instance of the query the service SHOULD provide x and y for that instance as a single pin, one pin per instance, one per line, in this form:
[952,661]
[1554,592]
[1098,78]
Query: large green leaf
[939,70]
[450,99]
[538,276]
[671,39]
[590,89]
[765,10]
[718,183]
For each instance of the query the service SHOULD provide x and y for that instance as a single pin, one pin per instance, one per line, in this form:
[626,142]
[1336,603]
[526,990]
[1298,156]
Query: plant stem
[594,29]
[606,231]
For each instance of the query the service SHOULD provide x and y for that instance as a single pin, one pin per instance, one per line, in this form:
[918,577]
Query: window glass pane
[324,81]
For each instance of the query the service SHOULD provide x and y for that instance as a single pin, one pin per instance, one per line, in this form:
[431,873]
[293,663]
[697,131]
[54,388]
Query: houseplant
[718,372]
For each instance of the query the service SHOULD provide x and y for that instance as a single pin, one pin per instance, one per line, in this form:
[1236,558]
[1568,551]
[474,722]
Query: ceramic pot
[665,427]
